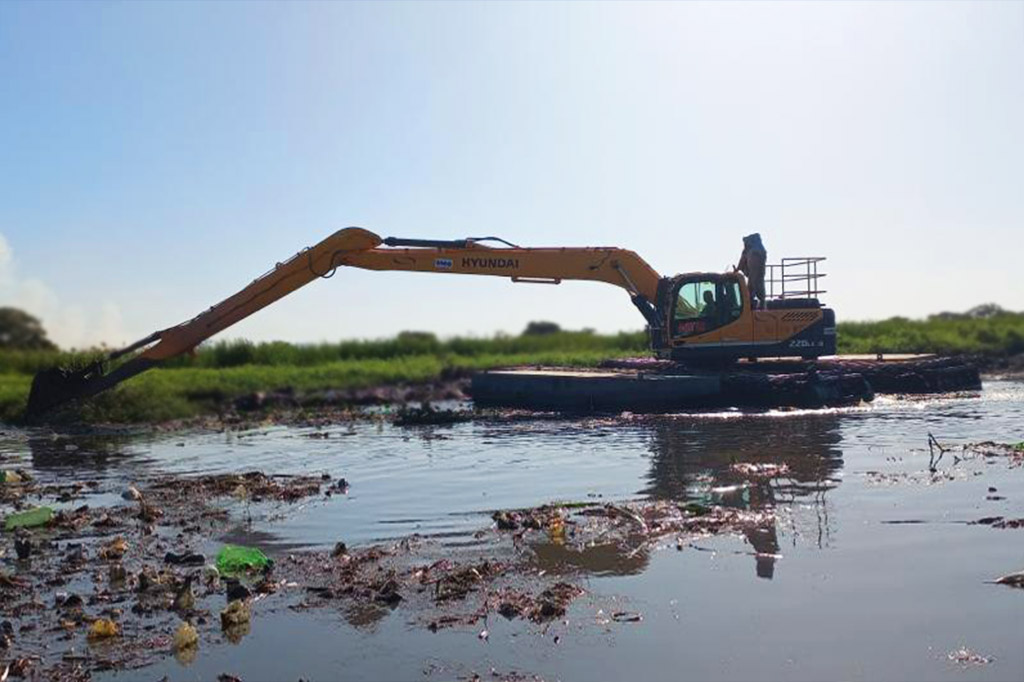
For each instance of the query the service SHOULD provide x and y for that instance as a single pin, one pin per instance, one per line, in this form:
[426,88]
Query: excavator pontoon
[698,317]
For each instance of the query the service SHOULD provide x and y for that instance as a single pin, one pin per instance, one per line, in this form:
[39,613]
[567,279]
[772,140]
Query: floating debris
[23,546]
[185,559]
[236,559]
[132,494]
[236,613]
[10,477]
[235,590]
[965,657]
[426,415]
[999,522]
[184,599]
[552,602]
[103,628]
[627,617]
[1013,453]
[1011,579]
[39,516]
[185,637]
[456,584]
[760,471]
[254,486]
[114,549]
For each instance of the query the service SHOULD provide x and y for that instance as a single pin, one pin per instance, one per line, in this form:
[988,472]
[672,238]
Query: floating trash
[40,516]
[235,559]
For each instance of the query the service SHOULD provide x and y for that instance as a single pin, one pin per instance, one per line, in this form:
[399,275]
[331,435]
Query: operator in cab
[710,309]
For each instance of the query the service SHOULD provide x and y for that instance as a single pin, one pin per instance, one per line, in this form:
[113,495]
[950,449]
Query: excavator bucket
[57,386]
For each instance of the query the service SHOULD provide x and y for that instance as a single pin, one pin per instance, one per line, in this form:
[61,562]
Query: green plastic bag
[696,509]
[235,559]
[40,516]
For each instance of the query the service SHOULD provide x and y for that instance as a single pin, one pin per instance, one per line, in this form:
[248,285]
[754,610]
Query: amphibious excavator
[700,317]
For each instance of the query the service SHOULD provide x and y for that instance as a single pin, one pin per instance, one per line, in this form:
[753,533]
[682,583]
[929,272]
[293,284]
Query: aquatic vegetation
[1001,333]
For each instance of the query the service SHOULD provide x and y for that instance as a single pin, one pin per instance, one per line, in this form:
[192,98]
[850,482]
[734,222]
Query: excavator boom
[353,247]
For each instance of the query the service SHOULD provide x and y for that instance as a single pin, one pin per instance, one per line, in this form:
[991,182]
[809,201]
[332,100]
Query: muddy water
[872,569]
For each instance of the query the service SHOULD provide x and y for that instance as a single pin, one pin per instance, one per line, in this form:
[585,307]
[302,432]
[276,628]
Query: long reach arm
[354,247]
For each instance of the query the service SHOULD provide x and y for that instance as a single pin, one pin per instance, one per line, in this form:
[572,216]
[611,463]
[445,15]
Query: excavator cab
[710,317]
[704,303]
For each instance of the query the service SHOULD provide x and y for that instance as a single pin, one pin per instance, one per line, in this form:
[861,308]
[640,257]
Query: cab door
[736,330]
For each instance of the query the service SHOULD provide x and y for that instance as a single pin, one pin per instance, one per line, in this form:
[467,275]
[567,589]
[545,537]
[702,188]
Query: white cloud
[68,325]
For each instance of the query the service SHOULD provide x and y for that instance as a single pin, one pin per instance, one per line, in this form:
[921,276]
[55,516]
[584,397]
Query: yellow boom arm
[360,248]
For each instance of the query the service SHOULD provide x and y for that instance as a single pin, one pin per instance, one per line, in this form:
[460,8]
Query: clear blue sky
[156,157]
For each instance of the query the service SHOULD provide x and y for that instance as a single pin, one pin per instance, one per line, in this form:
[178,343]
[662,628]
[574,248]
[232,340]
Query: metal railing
[795,278]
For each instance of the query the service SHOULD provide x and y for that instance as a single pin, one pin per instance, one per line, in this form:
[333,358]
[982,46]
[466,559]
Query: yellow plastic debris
[115,549]
[10,477]
[236,613]
[104,628]
[556,530]
[185,637]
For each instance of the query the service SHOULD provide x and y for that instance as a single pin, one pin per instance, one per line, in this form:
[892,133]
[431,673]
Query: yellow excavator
[706,318]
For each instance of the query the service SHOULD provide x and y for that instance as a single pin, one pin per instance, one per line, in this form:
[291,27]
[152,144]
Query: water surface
[872,570]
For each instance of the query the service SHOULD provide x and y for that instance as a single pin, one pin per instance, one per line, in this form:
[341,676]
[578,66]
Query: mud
[108,588]
[105,588]
[452,386]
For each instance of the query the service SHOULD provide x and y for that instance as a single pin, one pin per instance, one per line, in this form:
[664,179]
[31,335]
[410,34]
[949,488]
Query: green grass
[236,353]
[192,389]
[191,386]
[1000,334]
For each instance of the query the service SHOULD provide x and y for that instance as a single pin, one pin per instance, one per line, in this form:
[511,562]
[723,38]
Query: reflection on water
[695,459]
[83,453]
[715,462]
[687,456]
[609,558]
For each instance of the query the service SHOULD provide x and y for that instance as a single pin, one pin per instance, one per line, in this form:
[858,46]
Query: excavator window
[696,308]
[705,304]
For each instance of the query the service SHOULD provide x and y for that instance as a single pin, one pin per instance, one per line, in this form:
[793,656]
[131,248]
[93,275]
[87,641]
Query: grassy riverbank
[222,372]
[998,335]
